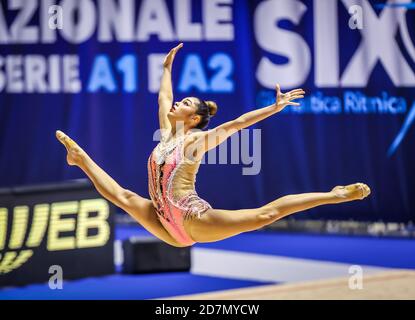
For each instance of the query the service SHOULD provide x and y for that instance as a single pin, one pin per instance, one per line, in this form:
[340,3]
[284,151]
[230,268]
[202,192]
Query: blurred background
[92,69]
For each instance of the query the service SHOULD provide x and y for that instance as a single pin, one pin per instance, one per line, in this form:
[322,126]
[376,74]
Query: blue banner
[92,69]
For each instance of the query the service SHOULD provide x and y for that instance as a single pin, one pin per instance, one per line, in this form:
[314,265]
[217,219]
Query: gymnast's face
[185,111]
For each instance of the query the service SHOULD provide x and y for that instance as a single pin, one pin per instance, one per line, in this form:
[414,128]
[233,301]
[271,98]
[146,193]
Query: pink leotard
[165,168]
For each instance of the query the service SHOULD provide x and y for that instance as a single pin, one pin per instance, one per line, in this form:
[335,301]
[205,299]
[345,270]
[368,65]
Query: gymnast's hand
[285,99]
[168,61]
[75,155]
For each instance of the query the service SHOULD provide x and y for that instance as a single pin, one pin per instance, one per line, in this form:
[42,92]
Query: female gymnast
[175,213]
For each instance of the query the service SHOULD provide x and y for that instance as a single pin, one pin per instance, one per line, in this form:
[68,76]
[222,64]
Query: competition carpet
[259,265]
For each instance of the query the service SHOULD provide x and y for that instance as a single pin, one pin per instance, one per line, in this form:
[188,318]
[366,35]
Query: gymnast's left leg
[218,224]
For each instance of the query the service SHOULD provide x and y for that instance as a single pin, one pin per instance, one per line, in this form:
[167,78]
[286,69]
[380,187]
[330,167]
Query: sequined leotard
[171,182]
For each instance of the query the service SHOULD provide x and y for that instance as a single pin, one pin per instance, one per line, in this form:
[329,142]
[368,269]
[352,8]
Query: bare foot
[356,191]
[75,154]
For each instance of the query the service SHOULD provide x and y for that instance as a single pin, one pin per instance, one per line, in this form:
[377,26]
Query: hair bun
[213,107]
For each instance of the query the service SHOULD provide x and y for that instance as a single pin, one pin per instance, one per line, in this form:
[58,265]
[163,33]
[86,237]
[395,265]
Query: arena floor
[393,285]
[259,265]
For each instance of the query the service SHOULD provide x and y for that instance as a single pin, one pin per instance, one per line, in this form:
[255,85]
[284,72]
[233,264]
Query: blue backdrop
[95,77]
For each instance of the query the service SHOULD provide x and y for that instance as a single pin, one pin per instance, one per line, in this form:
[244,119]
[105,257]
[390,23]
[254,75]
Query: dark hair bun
[213,107]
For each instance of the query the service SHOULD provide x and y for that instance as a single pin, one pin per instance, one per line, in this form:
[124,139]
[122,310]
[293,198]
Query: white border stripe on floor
[267,268]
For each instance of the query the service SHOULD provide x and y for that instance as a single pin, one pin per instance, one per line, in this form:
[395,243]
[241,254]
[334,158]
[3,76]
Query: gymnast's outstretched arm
[165,98]
[206,140]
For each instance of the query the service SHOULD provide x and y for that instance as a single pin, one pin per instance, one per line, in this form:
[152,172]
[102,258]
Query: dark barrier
[148,254]
[46,229]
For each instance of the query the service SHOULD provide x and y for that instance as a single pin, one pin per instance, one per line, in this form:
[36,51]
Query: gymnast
[175,213]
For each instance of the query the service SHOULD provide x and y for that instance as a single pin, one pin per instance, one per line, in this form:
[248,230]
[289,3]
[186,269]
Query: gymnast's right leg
[139,208]
[218,224]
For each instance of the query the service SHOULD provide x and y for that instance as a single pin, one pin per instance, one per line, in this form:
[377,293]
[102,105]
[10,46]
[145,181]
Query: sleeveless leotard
[171,182]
